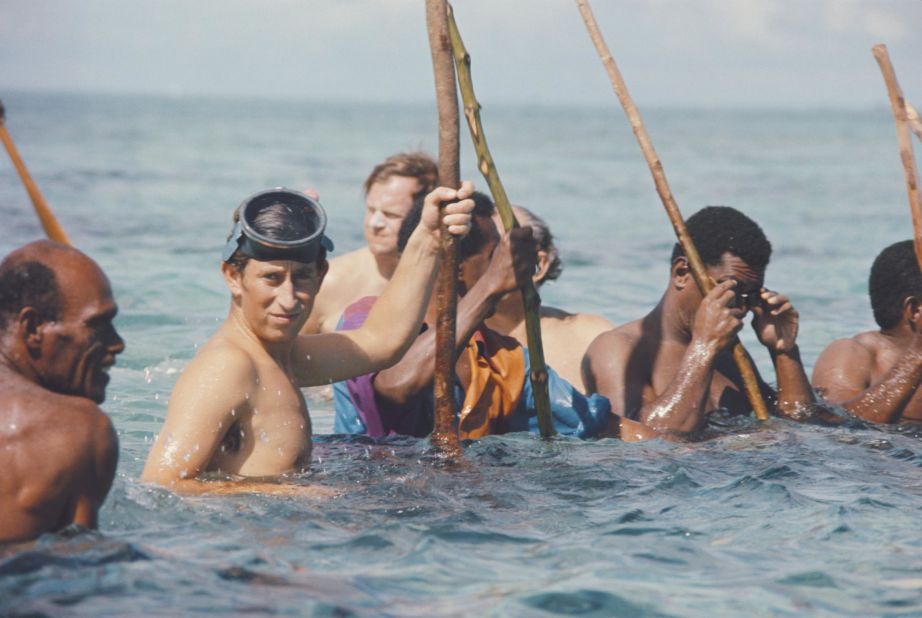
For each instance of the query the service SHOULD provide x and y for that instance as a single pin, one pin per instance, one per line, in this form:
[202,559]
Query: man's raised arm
[394,321]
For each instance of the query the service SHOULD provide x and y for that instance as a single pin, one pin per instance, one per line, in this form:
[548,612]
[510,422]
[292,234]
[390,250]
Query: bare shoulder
[221,368]
[347,267]
[620,339]
[585,322]
[863,347]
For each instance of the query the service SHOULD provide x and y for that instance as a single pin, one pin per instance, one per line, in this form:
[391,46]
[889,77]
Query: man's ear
[233,277]
[324,269]
[681,273]
[541,267]
[912,310]
[29,326]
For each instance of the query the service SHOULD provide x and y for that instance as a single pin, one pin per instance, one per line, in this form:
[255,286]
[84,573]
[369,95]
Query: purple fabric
[362,388]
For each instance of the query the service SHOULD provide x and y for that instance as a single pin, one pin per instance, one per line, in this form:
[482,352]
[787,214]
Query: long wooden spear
[915,123]
[898,104]
[53,229]
[485,164]
[705,284]
[444,433]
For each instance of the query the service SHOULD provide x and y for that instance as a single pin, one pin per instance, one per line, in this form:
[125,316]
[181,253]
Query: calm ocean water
[774,520]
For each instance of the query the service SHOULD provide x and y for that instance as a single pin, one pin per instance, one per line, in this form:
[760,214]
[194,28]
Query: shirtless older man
[390,190]
[237,408]
[672,367]
[876,374]
[58,450]
[564,335]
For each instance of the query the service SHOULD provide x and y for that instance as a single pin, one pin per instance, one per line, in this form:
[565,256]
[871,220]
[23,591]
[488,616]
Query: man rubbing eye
[672,367]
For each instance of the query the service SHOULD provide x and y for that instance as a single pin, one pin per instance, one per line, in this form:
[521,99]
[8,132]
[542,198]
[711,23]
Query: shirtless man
[564,335]
[390,191]
[58,450]
[673,366]
[237,408]
[876,374]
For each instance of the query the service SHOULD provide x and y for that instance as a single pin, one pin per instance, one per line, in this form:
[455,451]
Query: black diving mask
[248,241]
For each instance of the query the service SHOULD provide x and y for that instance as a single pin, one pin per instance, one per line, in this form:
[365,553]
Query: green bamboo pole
[49,222]
[705,284]
[899,106]
[444,434]
[530,297]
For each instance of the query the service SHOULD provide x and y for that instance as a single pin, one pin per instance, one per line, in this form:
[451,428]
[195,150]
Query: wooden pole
[899,106]
[485,164]
[444,433]
[705,284]
[915,123]
[49,222]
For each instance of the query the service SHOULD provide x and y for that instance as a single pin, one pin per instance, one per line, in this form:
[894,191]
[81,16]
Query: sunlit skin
[366,271]
[876,374]
[565,336]
[238,409]
[670,368]
[59,450]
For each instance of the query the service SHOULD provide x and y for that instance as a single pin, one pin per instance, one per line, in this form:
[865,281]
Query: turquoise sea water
[773,520]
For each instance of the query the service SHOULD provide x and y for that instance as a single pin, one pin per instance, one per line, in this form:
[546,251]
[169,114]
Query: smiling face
[387,203]
[275,297]
[79,347]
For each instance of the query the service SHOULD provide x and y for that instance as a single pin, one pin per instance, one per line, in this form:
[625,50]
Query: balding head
[56,312]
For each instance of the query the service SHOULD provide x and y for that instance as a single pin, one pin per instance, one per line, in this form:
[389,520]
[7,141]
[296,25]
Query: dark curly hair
[28,284]
[716,230]
[894,277]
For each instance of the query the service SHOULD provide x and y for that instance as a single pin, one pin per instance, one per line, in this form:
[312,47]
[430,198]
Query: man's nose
[286,295]
[377,220]
[117,346]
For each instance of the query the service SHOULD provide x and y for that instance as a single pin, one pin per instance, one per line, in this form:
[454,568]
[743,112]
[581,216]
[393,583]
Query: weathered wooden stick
[485,164]
[705,284]
[444,433]
[915,122]
[902,133]
[53,229]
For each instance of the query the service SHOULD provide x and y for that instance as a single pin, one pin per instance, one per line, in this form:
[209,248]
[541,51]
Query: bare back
[566,337]
[58,459]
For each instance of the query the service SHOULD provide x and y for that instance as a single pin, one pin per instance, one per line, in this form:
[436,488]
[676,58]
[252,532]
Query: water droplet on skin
[233,412]
[255,412]
[183,473]
[302,425]
[13,426]
[195,448]
[281,451]
[187,456]
[263,436]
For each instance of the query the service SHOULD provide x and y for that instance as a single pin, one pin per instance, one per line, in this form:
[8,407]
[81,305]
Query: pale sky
[699,53]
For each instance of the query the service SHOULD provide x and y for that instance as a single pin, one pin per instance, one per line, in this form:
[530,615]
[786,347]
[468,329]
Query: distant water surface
[775,520]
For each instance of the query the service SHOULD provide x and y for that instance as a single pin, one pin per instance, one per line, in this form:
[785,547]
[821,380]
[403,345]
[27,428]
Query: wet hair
[716,230]
[418,165]
[28,284]
[543,238]
[470,244]
[279,221]
[894,277]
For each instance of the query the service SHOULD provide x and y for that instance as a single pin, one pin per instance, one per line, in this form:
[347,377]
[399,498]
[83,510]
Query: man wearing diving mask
[238,409]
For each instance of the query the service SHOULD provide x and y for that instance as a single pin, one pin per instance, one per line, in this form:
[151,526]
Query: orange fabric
[497,377]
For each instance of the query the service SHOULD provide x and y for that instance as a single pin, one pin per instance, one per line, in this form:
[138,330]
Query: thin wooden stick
[915,123]
[705,284]
[902,133]
[444,433]
[49,222]
[485,164]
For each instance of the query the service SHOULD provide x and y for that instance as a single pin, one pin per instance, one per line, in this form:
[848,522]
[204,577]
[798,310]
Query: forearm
[394,321]
[885,401]
[795,394]
[415,370]
[681,408]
